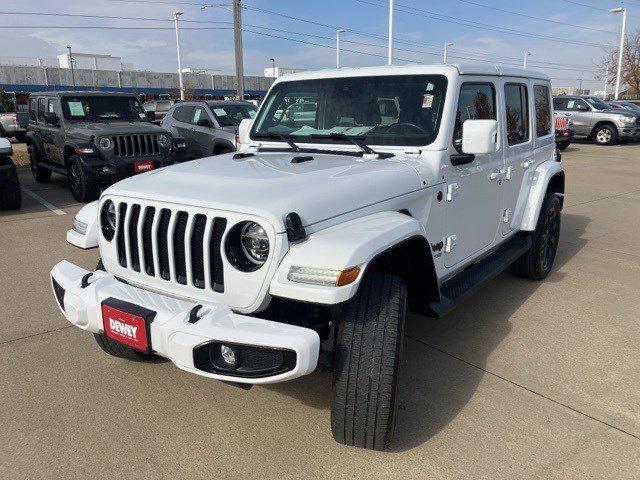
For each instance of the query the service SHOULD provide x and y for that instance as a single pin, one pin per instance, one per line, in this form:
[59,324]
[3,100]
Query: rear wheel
[366,363]
[40,174]
[536,263]
[83,187]
[10,194]
[606,135]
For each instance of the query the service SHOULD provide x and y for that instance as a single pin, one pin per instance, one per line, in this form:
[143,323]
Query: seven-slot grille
[171,244]
[142,145]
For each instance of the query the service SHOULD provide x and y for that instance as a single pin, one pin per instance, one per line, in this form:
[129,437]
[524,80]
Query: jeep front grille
[143,145]
[171,244]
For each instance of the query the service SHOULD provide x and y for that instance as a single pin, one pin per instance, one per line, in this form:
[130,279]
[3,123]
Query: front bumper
[80,294]
[629,133]
[112,170]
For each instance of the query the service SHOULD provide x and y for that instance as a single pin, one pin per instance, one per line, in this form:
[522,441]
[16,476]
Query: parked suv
[307,248]
[159,108]
[10,194]
[13,124]
[209,127]
[594,119]
[95,139]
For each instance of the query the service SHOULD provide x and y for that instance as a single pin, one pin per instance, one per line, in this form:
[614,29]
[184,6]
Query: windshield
[232,115]
[102,108]
[597,103]
[395,110]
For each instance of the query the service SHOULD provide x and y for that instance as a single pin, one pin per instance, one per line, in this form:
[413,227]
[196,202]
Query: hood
[618,111]
[230,129]
[269,185]
[99,129]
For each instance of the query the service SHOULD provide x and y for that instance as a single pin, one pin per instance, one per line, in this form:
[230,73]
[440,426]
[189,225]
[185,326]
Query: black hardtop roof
[80,93]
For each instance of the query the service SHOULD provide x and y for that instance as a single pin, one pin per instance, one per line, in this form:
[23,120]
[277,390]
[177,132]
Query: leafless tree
[630,78]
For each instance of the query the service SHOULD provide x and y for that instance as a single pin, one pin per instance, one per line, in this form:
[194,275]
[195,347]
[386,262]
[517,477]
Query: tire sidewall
[612,138]
[551,202]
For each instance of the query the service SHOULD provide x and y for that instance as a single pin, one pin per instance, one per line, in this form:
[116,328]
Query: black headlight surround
[233,250]
[108,232]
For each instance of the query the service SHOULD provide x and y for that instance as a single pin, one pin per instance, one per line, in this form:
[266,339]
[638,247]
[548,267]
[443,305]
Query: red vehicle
[564,134]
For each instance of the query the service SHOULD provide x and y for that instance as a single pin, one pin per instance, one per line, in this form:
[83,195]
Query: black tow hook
[243,386]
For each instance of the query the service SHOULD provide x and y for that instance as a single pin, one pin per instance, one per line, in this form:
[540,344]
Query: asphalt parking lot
[525,380]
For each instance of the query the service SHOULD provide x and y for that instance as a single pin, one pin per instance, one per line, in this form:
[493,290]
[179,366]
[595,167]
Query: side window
[51,107]
[477,102]
[199,113]
[33,109]
[42,104]
[517,110]
[560,103]
[543,110]
[183,114]
[582,106]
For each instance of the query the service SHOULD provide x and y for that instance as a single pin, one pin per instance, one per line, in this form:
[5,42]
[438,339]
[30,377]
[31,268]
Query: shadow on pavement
[433,388]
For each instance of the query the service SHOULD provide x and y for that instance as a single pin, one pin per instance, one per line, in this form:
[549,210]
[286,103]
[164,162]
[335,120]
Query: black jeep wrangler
[95,139]
[10,194]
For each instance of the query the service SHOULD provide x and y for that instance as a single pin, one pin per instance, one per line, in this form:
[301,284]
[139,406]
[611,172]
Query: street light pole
[390,52]
[175,23]
[73,76]
[338,32]
[446,46]
[621,52]
[273,67]
[524,63]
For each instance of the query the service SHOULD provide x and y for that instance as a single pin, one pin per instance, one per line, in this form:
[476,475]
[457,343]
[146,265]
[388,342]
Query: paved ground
[526,380]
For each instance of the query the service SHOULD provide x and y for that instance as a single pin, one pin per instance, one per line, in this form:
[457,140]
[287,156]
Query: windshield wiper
[357,140]
[285,138]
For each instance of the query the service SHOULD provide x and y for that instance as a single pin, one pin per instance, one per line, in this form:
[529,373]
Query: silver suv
[208,127]
[594,119]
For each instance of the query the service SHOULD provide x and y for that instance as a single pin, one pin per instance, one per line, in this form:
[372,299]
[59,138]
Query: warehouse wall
[55,77]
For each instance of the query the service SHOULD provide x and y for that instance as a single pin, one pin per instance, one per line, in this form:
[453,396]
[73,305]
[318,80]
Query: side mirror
[51,118]
[582,108]
[204,122]
[151,116]
[479,137]
[243,131]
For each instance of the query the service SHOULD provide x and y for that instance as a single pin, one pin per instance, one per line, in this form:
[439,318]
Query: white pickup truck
[408,188]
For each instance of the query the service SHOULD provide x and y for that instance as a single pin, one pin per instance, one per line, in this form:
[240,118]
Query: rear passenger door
[518,150]
[181,123]
[203,132]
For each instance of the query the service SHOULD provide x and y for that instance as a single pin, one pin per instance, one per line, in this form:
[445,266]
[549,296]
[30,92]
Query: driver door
[202,132]
[580,114]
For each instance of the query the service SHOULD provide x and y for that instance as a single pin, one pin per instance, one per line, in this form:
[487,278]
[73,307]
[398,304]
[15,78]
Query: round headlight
[163,141]
[247,246]
[105,143]
[108,220]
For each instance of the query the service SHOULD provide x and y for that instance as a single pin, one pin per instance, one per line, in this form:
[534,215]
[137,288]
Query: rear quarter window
[543,110]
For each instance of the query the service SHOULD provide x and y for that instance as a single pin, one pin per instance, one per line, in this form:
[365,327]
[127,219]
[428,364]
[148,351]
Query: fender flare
[89,216]
[359,242]
[549,173]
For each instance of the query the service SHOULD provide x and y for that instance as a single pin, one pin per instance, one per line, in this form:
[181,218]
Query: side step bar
[52,167]
[457,288]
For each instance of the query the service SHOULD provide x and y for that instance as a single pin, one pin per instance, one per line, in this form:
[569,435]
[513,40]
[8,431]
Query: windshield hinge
[413,152]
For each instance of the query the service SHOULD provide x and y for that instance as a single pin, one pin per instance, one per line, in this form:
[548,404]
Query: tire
[40,174]
[10,193]
[366,363]
[82,186]
[562,146]
[537,262]
[606,135]
[116,349]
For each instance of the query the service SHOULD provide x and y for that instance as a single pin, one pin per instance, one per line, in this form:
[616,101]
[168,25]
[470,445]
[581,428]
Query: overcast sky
[421,28]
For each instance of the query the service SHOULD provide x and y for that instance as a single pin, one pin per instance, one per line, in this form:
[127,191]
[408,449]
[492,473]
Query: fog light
[228,355]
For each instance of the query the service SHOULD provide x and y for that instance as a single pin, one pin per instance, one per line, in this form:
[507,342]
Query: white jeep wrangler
[402,188]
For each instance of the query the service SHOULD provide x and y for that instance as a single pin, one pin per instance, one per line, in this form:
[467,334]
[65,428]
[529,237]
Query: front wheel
[606,135]
[82,186]
[366,363]
[536,263]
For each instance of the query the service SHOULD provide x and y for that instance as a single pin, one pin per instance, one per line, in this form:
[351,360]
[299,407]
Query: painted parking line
[42,201]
